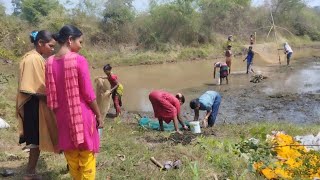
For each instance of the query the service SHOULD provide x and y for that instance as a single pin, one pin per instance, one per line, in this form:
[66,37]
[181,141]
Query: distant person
[210,102]
[252,39]
[116,88]
[228,55]
[72,98]
[249,59]
[222,73]
[37,126]
[288,51]
[167,107]
[229,40]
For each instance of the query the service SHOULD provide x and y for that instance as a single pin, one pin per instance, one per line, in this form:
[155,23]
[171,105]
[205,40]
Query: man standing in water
[288,51]
[210,102]
[228,55]
[249,59]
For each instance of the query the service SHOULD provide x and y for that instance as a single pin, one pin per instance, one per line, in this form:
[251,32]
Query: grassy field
[202,156]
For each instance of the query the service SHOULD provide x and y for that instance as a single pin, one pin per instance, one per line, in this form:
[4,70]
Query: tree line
[108,23]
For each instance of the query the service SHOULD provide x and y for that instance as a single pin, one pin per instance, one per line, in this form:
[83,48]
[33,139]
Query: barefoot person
[222,73]
[288,51]
[249,59]
[210,102]
[116,88]
[167,107]
[71,96]
[37,125]
[228,55]
[252,39]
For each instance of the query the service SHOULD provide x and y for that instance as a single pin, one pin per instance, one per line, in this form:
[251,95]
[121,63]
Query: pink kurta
[165,105]
[87,95]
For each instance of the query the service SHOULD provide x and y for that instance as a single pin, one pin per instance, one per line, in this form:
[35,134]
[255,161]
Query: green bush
[192,53]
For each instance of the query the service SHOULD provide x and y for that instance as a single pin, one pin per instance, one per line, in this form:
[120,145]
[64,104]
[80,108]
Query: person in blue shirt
[210,102]
[249,59]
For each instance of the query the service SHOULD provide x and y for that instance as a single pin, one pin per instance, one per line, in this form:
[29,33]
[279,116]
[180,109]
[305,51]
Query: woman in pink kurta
[70,95]
[166,108]
[87,95]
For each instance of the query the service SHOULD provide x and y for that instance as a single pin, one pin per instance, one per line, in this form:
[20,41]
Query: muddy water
[138,81]
[304,80]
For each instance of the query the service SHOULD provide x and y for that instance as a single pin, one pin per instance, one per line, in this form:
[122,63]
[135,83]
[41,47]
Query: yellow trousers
[82,164]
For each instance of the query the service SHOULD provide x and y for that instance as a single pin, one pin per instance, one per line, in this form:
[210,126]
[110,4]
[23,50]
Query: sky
[142,5]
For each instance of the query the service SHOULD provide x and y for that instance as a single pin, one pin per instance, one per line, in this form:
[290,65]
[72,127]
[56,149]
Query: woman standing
[166,108]
[116,88]
[72,98]
[37,126]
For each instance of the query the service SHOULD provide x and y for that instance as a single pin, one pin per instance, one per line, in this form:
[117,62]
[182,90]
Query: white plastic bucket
[195,127]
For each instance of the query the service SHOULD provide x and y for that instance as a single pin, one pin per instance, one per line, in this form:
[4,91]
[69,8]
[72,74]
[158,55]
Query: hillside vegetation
[185,29]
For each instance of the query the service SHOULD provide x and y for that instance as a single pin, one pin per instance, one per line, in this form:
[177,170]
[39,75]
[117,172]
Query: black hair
[250,47]
[181,98]
[107,67]
[194,103]
[43,35]
[65,32]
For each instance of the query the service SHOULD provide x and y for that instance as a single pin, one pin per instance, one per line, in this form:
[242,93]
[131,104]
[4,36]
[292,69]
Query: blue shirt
[207,99]
[250,57]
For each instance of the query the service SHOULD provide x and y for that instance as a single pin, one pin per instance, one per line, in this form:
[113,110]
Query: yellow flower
[269,174]
[282,173]
[293,163]
[293,160]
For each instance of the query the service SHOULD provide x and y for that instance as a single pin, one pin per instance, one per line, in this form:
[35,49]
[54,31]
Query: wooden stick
[215,177]
[156,162]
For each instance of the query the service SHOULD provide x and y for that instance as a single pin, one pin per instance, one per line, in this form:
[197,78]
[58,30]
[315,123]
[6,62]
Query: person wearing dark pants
[288,51]
[210,102]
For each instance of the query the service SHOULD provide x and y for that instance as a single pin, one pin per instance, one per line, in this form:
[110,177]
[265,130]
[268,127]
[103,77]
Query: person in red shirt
[252,39]
[116,88]
[166,108]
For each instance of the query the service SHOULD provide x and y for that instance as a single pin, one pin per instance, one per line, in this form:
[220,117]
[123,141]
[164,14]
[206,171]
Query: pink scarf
[72,92]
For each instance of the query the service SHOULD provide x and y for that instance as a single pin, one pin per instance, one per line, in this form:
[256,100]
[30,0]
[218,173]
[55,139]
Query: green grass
[202,158]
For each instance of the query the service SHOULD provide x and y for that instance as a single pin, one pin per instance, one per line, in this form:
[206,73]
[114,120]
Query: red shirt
[113,80]
[165,105]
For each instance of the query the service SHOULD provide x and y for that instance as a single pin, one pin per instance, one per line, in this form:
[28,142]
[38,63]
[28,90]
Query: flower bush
[281,157]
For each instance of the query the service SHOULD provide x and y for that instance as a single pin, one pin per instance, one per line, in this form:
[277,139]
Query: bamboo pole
[275,35]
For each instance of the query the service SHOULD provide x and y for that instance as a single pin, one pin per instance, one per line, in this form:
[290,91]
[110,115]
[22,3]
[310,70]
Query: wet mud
[174,138]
